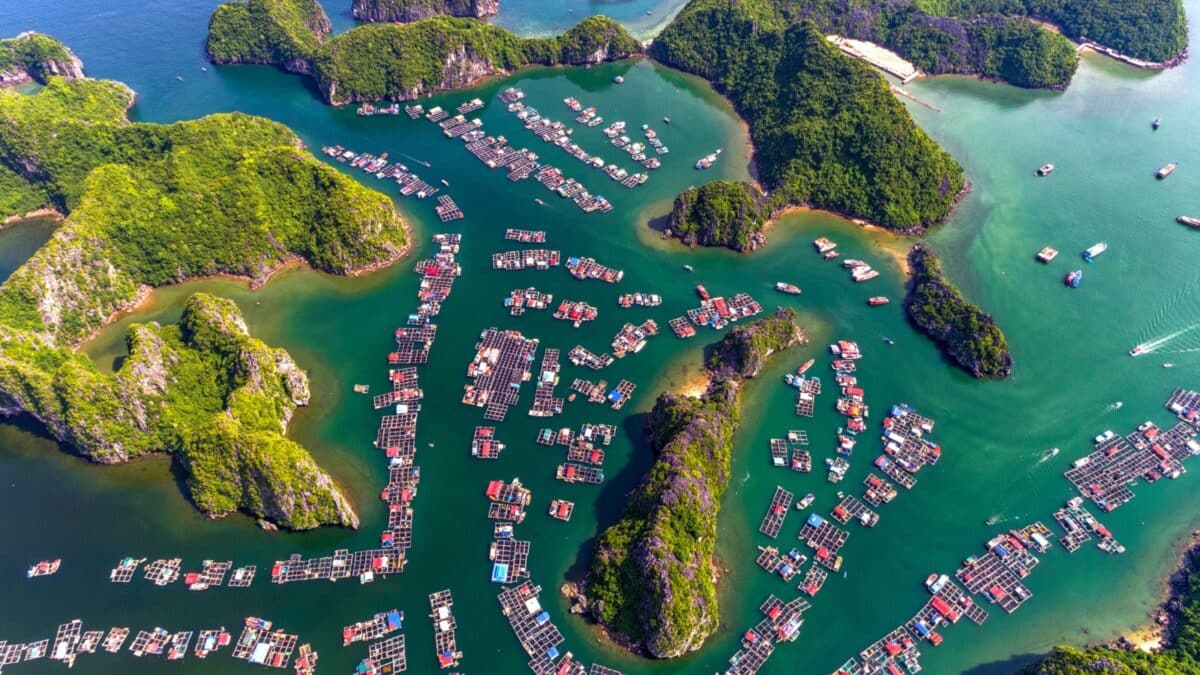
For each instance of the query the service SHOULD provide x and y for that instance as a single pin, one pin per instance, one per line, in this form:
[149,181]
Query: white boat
[1165,171]
[1045,169]
[1094,250]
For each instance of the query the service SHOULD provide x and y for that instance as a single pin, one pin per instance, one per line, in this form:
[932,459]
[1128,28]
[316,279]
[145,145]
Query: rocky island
[148,205]
[405,11]
[399,62]
[653,578]
[966,334]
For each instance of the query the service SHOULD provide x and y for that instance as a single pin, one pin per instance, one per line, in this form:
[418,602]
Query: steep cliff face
[287,33]
[720,213]
[653,577]
[33,56]
[406,11]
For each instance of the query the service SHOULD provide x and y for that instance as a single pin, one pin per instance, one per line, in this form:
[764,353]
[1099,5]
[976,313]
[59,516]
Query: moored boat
[1189,221]
[790,289]
[43,568]
[1094,250]
[1045,169]
[1047,254]
[1073,278]
[1165,171]
[877,300]
[805,366]
[702,291]
[805,502]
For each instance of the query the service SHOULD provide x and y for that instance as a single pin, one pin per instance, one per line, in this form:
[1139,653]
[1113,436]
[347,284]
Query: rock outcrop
[720,213]
[653,579]
[406,11]
[35,57]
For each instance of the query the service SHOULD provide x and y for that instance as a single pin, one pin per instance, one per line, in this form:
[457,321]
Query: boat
[992,520]
[43,568]
[1156,123]
[1137,350]
[689,268]
[1045,169]
[1189,221]
[362,388]
[666,120]
[1165,171]
[790,289]
[618,79]
[539,202]
[805,366]
[936,582]
[708,160]
[805,502]
[851,263]
[877,300]
[445,182]
[702,291]
[1094,250]
[1168,365]
[1052,452]
[824,244]
[1073,278]
[1116,405]
[1047,254]
[888,341]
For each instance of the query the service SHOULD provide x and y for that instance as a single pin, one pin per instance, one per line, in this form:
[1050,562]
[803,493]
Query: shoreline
[44,212]
[1163,625]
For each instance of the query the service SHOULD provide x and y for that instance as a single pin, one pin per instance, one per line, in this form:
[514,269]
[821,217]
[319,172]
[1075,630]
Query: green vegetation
[653,576]
[155,204]
[415,10]
[1182,655]
[964,332]
[827,131]
[402,61]
[283,32]
[720,213]
[37,56]
[17,195]
[1149,29]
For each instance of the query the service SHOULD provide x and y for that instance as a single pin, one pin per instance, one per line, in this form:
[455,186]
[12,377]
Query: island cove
[149,205]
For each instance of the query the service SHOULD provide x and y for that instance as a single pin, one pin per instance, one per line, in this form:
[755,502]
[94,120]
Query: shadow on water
[615,490]
[1012,664]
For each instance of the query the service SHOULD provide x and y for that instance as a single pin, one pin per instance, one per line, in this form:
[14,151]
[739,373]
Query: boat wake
[1116,405]
[1047,456]
[1159,343]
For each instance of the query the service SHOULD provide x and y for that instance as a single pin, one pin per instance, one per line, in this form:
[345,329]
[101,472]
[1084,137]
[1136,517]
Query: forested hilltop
[398,61]
[405,11]
[827,131]
[148,205]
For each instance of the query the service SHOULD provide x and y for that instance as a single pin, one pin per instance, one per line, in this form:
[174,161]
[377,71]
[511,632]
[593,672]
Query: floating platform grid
[180,642]
[379,625]
[998,573]
[90,641]
[781,623]
[510,560]
[404,389]
[412,345]
[115,639]
[163,572]
[825,539]
[545,404]
[801,461]
[534,258]
[306,660]
[851,508]
[212,573]
[779,452]
[1035,536]
[150,642]
[781,503]
[769,559]
[580,356]
[877,491]
[211,640]
[582,451]
[66,642]
[588,268]
[595,392]
[385,656]
[502,362]
[532,625]
[1149,453]
[632,339]
[579,473]
[342,564]
[259,645]
[484,444]
[525,236]
[681,328]
[892,470]
[243,576]
[813,580]
[620,394]
[521,299]
[125,569]
[896,650]
[445,642]
[11,653]
[561,509]
[447,210]
[603,433]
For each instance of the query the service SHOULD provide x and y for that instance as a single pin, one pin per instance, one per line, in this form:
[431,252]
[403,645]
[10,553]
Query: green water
[1069,348]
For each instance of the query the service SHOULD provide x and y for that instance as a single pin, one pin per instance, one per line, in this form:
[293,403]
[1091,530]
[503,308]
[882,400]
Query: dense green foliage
[720,213]
[266,31]
[403,61]
[153,204]
[827,131]
[1181,656]
[17,195]
[415,10]
[652,578]
[965,333]
[33,53]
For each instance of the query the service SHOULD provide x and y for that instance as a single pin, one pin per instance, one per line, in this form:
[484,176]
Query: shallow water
[1069,347]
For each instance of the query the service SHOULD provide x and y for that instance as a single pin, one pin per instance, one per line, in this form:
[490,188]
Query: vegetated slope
[405,11]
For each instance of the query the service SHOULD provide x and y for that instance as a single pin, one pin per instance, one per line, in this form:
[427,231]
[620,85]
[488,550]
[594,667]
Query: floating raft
[578,473]
[507,501]
[163,572]
[179,645]
[545,404]
[484,444]
[66,642]
[998,573]
[814,579]
[90,641]
[341,565]
[561,509]
[211,640]
[124,571]
[898,649]
[243,576]
[631,339]
[510,560]
[681,328]
[582,450]
[801,460]
[260,646]
[781,503]
[306,661]
[447,210]
[150,642]
[779,452]
[851,508]
[594,391]
[826,539]
[444,628]
[588,268]
[385,656]
[211,573]
[537,258]
[412,345]
[521,299]
[877,490]
[781,623]
[579,356]
[374,628]
[577,312]
[502,362]
[598,432]
[115,639]
[526,236]
[532,625]
[619,396]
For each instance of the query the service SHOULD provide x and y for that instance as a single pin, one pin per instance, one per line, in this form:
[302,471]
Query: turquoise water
[1069,348]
